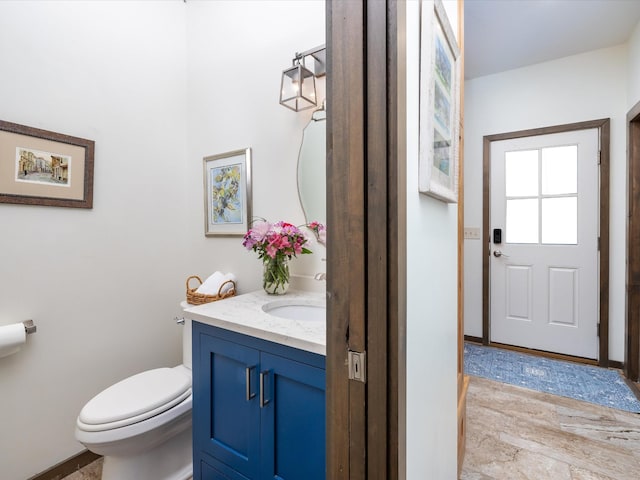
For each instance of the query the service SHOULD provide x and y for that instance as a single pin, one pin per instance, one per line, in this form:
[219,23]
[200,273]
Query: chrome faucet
[321,275]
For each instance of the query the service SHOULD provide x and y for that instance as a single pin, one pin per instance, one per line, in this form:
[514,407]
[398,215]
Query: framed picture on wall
[439,105]
[227,193]
[39,167]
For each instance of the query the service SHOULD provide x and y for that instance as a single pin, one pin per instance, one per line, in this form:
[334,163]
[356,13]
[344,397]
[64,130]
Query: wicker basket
[195,298]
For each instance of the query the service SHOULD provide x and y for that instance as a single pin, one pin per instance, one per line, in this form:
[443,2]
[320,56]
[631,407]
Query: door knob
[498,253]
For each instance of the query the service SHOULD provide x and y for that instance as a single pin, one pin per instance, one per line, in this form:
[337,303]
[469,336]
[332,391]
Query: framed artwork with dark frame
[227,193]
[39,167]
[439,105]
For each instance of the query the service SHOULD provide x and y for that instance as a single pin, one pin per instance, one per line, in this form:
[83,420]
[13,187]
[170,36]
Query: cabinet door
[292,420]
[225,404]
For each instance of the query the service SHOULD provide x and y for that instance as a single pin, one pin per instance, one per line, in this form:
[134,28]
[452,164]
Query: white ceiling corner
[502,35]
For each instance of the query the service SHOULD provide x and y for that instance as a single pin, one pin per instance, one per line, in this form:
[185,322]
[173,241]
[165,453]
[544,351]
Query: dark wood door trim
[346,448]
[603,125]
[366,185]
[632,322]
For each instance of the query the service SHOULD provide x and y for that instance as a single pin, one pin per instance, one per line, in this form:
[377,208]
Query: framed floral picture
[227,193]
[439,105]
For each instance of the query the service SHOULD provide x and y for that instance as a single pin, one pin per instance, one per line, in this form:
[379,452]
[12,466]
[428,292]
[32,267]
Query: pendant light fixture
[298,88]
[298,85]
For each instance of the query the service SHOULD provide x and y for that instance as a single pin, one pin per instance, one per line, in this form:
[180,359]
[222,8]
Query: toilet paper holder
[29,327]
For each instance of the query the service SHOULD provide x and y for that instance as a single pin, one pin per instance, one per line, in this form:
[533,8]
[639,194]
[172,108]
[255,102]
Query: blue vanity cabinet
[258,408]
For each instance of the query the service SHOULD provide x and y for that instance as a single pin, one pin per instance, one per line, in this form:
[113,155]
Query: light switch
[472,233]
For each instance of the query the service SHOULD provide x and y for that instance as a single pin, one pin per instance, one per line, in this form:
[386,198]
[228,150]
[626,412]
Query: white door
[544,272]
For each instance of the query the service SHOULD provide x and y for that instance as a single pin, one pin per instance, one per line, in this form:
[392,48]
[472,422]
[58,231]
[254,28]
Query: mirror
[312,174]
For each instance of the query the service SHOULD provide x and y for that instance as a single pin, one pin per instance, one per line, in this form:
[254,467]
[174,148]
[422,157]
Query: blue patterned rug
[582,382]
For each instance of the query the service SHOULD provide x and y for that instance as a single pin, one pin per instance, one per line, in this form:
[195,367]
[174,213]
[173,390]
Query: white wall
[102,285]
[237,52]
[573,89]
[117,73]
[431,410]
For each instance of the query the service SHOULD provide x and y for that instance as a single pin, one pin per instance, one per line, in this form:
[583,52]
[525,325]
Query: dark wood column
[632,325]
[366,184]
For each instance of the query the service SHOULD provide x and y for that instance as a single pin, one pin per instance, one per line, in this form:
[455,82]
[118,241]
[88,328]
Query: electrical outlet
[472,233]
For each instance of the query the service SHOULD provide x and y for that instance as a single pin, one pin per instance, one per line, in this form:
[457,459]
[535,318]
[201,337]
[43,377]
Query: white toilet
[142,424]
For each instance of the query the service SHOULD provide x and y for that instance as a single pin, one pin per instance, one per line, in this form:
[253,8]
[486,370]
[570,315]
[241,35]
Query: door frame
[603,126]
[366,270]
[632,301]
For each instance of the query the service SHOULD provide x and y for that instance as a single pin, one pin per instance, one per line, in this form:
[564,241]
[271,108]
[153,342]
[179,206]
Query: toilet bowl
[142,424]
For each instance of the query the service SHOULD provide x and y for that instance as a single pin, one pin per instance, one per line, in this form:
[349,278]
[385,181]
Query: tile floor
[93,471]
[519,434]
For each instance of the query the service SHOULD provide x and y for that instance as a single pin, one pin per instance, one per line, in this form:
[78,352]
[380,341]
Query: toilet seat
[135,399]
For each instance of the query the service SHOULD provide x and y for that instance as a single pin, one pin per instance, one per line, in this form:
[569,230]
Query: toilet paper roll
[11,338]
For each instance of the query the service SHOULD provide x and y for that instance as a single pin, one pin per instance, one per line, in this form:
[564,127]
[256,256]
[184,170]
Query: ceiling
[502,35]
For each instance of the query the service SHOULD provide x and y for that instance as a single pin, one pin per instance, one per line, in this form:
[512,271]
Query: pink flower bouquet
[275,244]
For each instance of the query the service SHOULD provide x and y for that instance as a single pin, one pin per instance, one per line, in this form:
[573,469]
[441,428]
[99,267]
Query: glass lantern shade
[298,88]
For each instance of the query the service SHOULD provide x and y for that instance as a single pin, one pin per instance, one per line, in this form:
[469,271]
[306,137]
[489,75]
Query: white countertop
[244,314]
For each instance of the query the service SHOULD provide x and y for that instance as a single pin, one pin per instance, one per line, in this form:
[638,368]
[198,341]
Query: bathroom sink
[296,310]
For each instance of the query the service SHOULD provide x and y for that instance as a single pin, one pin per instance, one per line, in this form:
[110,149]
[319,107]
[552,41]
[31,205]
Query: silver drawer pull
[263,401]
[250,395]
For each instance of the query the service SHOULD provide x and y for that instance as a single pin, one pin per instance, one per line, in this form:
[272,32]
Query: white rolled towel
[211,286]
[228,286]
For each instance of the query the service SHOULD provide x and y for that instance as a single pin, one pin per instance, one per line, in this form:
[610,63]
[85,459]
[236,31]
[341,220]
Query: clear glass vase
[275,279]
